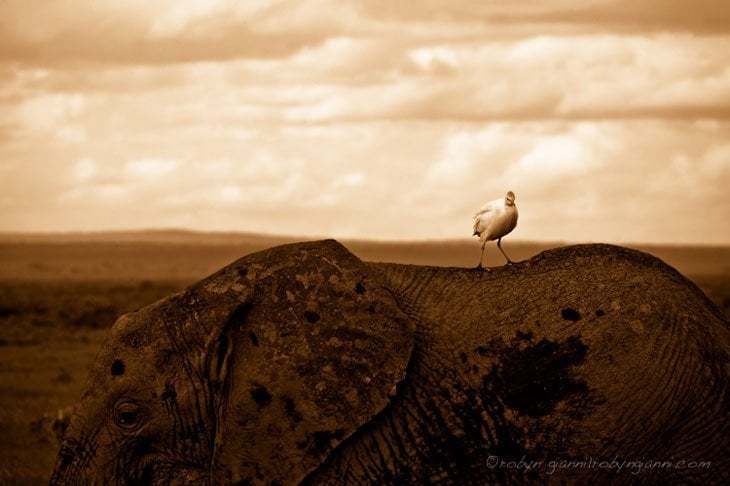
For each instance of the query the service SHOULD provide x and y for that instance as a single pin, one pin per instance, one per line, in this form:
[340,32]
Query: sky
[609,119]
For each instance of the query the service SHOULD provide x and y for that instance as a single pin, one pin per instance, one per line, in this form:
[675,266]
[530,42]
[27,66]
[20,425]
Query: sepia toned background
[143,145]
[367,119]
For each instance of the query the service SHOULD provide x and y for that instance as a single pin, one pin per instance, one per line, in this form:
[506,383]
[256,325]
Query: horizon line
[288,237]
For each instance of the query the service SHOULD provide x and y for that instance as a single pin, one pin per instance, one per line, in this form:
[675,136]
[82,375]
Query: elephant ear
[320,352]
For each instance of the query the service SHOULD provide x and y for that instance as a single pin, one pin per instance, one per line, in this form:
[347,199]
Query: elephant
[302,364]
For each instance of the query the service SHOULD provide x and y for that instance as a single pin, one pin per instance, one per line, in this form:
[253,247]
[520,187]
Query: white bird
[494,220]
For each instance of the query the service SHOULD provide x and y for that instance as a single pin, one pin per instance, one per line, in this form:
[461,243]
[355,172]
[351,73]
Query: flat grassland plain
[60,294]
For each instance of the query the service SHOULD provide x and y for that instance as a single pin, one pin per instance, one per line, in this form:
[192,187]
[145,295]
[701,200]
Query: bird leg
[480,266]
[499,245]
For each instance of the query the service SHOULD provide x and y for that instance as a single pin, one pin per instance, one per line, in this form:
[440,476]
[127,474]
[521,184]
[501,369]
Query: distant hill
[177,236]
[190,255]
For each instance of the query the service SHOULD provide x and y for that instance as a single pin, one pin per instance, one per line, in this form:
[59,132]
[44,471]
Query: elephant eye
[127,419]
[128,416]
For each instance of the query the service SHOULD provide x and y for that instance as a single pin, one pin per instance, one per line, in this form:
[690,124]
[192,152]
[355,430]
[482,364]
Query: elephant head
[151,404]
[302,364]
[285,350]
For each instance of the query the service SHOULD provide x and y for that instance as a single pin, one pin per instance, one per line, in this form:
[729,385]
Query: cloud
[465,152]
[168,31]
[178,16]
[156,32]
[351,179]
[702,16]
[404,76]
[608,119]
[715,161]
[46,111]
[556,157]
[599,181]
[151,168]
[577,77]
[437,59]
[84,169]
[606,181]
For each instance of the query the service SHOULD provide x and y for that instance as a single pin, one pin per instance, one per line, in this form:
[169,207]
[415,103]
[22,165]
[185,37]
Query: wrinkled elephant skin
[303,364]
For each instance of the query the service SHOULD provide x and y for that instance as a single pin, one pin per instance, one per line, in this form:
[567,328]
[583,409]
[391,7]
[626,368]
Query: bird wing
[478,217]
[485,209]
[476,225]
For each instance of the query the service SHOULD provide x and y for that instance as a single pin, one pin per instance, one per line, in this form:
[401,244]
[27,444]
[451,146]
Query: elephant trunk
[73,464]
